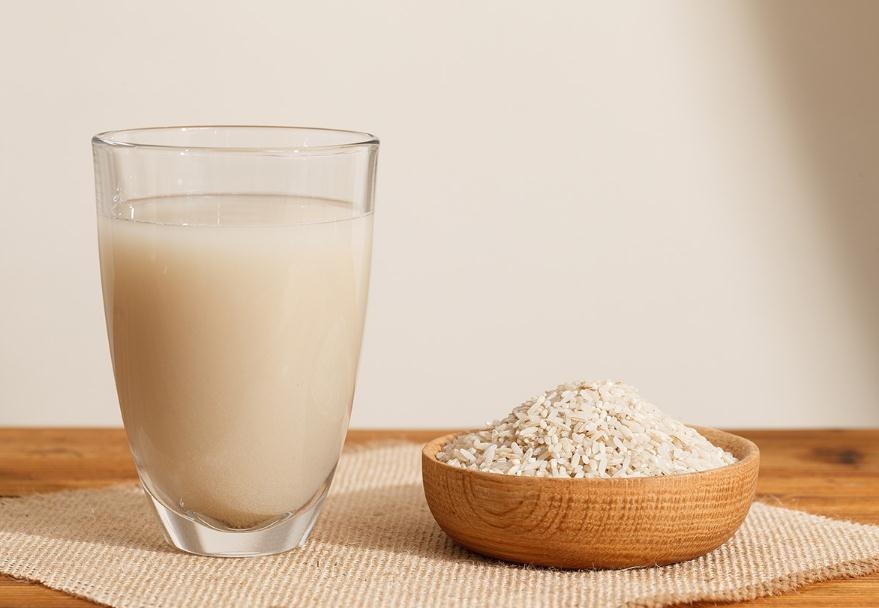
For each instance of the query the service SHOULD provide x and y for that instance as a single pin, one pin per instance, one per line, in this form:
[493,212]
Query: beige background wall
[682,194]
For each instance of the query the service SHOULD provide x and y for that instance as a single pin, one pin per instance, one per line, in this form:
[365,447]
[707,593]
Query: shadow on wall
[825,57]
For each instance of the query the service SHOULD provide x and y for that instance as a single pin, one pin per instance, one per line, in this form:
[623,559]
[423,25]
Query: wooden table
[834,473]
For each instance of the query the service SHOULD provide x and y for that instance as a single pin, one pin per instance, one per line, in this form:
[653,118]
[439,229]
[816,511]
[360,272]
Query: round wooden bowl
[593,523]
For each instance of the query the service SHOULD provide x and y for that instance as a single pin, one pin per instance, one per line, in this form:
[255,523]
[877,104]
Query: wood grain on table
[830,472]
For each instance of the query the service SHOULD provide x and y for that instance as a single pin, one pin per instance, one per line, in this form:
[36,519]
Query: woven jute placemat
[376,544]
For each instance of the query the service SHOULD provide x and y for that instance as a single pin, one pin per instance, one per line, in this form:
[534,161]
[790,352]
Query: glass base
[195,535]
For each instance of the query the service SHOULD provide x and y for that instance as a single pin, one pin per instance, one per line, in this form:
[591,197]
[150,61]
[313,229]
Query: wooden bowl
[593,523]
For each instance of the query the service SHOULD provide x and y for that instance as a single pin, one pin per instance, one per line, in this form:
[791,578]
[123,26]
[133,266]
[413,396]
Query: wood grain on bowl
[593,523]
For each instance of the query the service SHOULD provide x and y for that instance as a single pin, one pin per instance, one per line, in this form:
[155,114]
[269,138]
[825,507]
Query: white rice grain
[585,429]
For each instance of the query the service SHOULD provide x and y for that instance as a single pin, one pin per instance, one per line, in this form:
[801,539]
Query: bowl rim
[749,449]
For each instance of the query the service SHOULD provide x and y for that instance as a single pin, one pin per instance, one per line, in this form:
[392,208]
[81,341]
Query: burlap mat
[377,545]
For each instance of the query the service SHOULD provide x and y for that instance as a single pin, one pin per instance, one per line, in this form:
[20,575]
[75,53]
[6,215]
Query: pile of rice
[585,429]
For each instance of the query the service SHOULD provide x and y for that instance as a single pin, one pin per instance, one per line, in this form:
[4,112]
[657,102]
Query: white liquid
[235,341]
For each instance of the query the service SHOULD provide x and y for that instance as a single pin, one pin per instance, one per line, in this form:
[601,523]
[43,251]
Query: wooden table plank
[834,473]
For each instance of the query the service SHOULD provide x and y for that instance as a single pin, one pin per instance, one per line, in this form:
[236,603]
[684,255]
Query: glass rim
[120,138]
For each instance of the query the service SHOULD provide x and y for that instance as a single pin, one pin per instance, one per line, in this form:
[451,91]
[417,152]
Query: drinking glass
[235,269]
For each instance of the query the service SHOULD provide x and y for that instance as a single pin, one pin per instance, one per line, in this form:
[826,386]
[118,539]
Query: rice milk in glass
[235,284]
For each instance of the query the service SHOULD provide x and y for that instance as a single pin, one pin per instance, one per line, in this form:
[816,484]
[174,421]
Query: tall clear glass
[235,268]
